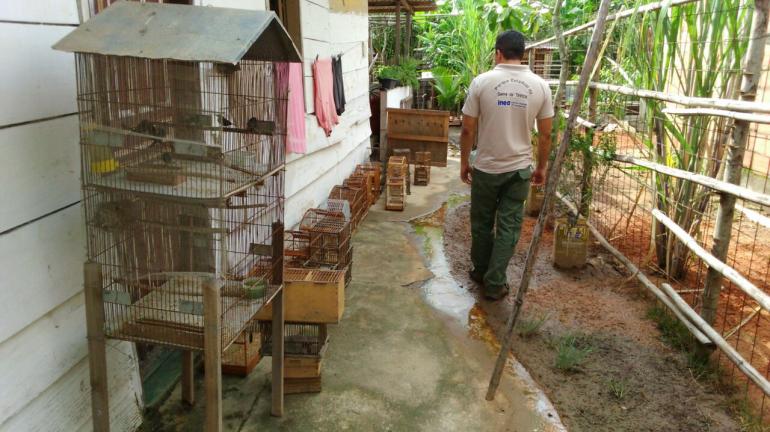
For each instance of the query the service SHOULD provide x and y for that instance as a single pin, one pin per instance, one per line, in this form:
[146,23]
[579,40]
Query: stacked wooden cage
[395,186]
[182,156]
[330,240]
[304,345]
[422,162]
[356,201]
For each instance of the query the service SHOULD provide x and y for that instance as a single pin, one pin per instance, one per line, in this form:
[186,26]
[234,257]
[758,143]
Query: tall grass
[692,50]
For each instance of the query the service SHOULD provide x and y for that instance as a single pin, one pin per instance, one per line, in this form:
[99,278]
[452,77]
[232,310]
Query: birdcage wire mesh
[182,178]
[300,339]
[355,198]
[329,237]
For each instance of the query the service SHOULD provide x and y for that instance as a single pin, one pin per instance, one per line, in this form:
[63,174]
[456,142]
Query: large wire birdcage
[181,168]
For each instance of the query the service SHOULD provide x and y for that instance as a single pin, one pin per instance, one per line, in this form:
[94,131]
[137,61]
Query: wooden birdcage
[396,183]
[305,345]
[354,197]
[422,161]
[244,354]
[329,237]
[362,181]
[182,141]
[375,179]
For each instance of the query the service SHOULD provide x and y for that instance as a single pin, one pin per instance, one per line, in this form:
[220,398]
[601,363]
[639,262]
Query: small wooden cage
[355,197]
[329,237]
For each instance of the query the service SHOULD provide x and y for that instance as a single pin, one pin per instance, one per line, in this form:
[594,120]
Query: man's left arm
[543,149]
[467,139]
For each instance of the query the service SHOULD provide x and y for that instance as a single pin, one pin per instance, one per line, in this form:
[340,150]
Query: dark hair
[510,44]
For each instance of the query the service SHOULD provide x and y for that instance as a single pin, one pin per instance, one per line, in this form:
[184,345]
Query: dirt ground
[630,380]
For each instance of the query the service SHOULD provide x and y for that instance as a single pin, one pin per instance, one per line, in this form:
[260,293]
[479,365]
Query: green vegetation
[528,327]
[572,351]
[618,388]
[406,72]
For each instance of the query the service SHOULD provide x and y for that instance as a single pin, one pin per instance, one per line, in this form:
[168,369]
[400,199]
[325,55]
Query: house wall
[44,385]
[331,29]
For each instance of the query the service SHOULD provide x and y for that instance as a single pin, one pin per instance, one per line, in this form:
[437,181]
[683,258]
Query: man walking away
[502,106]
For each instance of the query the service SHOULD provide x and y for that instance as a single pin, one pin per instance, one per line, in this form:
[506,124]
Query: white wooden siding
[41,164]
[41,11]
[35,81]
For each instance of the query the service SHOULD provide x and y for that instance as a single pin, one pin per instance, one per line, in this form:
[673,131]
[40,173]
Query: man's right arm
[467,139]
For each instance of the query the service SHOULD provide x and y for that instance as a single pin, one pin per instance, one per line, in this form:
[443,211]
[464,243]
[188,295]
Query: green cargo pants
[497,210]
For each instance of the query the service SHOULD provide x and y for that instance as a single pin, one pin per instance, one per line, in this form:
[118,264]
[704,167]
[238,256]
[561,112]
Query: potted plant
[588,160]
[389,77]
[447,87]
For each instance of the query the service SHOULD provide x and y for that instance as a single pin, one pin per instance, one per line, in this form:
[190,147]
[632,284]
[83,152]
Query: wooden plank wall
[42,323]
[329,160]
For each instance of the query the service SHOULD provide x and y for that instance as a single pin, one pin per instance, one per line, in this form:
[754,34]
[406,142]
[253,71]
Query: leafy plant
[571,352]
[405,72]
[447,88]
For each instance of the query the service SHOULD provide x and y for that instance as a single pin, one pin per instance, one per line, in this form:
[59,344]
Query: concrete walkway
[409,354]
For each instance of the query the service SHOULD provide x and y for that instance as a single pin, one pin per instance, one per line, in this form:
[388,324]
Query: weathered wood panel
[35,81]
[40,169]
[65,406]
[315,22]
[41,267]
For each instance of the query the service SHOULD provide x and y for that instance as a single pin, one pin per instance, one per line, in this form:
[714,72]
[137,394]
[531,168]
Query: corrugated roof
[180,32]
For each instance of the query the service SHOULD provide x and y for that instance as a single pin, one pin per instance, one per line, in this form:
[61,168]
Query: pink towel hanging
[323,83]
[296,141]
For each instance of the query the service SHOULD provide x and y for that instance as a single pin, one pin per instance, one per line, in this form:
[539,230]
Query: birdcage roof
[180,32]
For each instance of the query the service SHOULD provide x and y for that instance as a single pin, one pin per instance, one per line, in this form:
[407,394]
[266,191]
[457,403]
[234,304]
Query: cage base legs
[188,377]
[97,355]
[277,355]
[212,341]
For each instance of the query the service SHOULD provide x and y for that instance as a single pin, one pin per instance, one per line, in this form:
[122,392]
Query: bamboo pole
[753,118]
[622,14]
[397,47]
[715,264]
[711,183]
[724,221]
[712,334]
[688,101]
[553,180]
[640,276]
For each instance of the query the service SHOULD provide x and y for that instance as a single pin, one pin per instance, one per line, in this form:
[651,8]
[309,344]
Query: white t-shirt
[507,100]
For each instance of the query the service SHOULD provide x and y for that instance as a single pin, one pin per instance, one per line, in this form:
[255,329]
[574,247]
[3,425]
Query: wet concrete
[412,352]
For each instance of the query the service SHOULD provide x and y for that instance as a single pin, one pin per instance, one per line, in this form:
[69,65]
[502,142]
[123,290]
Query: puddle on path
[442,291]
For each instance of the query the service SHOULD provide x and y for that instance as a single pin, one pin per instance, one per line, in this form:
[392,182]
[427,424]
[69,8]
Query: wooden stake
[278,322]
[188,377]
[742,128]
[212,351]
[553,180]
[97,355]
[397,50]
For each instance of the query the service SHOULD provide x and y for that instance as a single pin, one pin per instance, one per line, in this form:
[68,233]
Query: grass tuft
[572,352]
[618,388]
[673,332]
[528,327]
